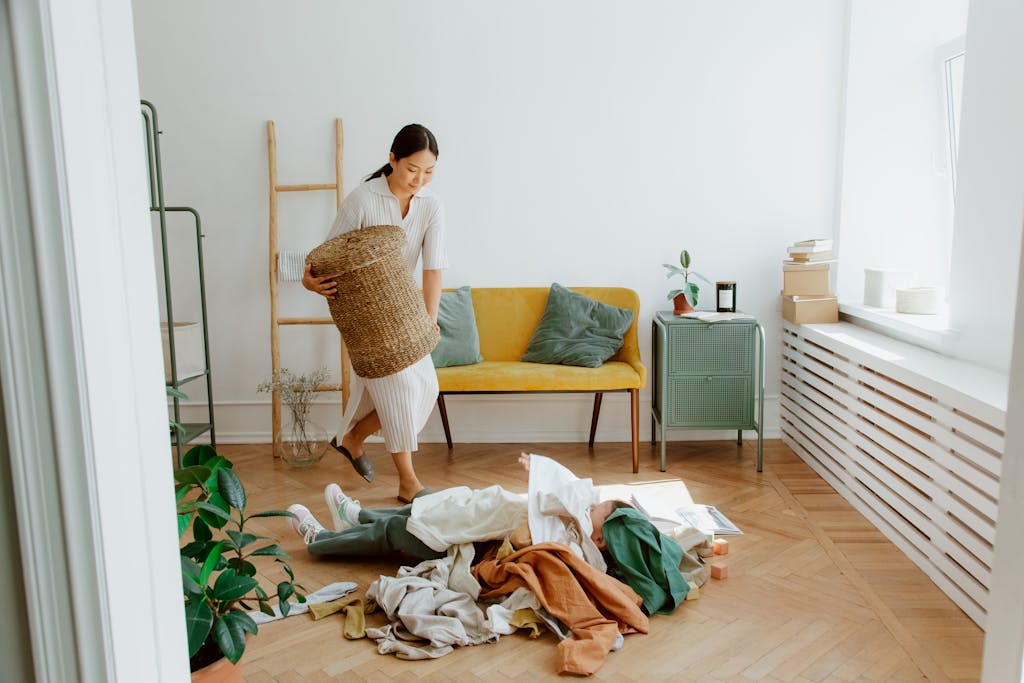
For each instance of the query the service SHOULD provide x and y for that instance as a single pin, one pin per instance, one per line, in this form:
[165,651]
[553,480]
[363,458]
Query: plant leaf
[216,514]
[230,586]
[692,291]
[273,513]
[198,621]
[201,531]
[674,293]
[273,551]
[241,539]
[231,488]
[193,476]
[684,259]
[210,563]
[229,633]
[701,277]
[183,524]
[197,455]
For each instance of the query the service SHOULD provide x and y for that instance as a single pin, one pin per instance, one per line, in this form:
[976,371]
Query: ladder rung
[327,387]
[305,188]
[305,321]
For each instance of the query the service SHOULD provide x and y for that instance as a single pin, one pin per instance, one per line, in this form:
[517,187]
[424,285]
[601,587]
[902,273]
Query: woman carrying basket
[397,405]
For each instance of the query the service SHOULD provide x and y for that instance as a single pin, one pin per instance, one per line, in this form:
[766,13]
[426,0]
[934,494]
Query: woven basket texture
[378,308]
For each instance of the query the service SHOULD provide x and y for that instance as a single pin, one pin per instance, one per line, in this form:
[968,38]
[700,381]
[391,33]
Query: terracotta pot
[681,304]
[221,671]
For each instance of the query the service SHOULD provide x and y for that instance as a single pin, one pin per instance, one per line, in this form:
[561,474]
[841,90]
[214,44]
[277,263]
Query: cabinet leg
[739,437]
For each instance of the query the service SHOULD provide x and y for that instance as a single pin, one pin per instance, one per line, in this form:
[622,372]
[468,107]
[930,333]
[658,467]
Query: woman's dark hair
[411,139]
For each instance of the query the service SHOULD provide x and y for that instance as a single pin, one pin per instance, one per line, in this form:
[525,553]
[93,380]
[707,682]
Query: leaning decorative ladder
[190,430]
[275,318]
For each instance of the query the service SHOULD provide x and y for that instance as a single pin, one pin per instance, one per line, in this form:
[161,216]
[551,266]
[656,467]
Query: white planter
[880,285]
[920,300]
[188,350]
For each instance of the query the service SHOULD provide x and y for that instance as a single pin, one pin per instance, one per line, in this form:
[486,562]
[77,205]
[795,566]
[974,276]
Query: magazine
[669,506]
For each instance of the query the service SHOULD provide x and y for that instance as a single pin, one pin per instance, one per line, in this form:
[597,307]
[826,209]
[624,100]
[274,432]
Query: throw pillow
[577,330]
[460,342]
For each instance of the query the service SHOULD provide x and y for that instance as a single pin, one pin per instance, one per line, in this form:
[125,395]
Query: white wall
[896,199]
[584,143]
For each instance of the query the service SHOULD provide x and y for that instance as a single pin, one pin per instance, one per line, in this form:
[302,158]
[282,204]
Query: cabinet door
[711,401]
[710,349]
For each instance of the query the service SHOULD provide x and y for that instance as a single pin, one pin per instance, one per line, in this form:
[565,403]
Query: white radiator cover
[912,439]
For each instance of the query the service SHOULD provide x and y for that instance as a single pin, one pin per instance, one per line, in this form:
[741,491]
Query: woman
[398,405]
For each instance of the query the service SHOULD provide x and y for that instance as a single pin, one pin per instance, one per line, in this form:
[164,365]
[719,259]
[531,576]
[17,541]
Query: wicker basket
[378,307]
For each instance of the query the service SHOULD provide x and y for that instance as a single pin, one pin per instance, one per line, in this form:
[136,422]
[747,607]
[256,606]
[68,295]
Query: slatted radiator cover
[913,440]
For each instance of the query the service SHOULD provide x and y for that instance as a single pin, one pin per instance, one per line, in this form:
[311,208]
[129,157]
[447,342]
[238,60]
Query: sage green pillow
[460,342]
[577,330]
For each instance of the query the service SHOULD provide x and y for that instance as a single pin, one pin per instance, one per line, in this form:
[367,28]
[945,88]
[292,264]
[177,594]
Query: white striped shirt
[372,203]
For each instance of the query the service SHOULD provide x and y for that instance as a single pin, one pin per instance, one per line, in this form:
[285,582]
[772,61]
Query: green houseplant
[685,299]
[218,577]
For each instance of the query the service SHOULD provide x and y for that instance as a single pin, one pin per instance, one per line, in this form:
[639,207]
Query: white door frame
[80,351]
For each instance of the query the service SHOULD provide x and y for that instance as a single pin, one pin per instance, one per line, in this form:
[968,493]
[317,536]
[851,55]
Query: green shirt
[647,560]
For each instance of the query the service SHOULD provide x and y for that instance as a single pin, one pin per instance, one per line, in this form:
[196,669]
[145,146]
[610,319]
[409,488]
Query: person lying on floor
[559,507]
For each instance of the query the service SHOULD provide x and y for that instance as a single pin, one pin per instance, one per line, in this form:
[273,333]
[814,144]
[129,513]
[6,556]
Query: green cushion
[577,330]
[460,343]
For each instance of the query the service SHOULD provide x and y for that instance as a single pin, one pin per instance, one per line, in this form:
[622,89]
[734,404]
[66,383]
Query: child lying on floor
[559,507]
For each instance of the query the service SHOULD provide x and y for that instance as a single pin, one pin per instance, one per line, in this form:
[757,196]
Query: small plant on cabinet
[690,290]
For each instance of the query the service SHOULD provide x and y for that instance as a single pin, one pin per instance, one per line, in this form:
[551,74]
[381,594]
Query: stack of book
[806,291]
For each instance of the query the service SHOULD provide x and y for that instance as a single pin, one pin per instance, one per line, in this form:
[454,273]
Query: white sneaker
[305,523]
[344,510]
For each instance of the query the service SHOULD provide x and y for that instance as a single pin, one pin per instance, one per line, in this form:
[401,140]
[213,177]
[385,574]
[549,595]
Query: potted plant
[685,299]
[303,442]
[218,578]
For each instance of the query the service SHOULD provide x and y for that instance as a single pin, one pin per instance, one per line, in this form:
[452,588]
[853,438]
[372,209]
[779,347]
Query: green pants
[380,533]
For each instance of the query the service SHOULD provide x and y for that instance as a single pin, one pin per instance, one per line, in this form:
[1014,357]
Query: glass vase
[301,443]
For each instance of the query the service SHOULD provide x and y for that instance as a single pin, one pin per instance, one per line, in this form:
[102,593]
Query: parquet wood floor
[814,592]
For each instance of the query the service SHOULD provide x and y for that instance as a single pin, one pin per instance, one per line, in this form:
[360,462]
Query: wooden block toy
[721,546]
[719,570]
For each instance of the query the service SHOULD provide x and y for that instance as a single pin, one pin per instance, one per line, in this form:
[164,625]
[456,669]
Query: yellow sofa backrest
[507,316]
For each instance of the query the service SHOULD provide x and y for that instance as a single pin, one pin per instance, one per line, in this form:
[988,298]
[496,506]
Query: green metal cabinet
[707,375]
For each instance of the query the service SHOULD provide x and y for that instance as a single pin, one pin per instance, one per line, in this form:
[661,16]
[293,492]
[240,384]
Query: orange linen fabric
[593,605]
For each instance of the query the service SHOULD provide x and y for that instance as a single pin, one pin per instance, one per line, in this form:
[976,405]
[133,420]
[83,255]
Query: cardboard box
[810,309]
[805,280]
[190,359]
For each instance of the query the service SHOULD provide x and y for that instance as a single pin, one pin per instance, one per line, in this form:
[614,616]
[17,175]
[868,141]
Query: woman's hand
[324,286]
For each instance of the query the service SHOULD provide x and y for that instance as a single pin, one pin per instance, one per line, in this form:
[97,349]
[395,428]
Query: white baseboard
[484,418]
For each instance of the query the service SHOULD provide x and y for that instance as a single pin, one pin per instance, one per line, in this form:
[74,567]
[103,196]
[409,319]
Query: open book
[668,505]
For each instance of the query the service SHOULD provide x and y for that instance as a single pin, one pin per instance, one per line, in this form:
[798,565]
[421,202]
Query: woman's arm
[432,292]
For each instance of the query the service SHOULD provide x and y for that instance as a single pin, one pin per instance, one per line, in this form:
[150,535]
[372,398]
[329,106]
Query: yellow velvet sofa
[506,318]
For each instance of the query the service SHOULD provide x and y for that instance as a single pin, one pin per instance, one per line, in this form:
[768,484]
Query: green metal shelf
[192,430]
[159,207]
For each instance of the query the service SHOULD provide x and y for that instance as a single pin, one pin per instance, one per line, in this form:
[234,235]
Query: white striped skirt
[403,402]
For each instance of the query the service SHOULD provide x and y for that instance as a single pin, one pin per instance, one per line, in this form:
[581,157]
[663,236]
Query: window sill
[928,331]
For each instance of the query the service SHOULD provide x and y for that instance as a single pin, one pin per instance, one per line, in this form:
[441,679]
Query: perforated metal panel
[715,402]
[710,349]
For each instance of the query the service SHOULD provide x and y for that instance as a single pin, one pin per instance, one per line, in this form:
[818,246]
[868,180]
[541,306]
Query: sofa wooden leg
[444,419]
[593,420]
[634,422]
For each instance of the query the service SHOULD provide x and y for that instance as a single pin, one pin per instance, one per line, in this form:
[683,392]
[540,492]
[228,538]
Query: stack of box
[806,294]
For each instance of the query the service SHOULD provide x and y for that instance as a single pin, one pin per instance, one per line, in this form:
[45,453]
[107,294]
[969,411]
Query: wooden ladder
[275,319]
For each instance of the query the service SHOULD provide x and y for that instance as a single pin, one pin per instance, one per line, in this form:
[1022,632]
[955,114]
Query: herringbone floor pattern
[814,592]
